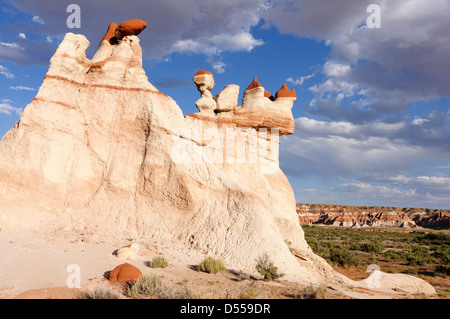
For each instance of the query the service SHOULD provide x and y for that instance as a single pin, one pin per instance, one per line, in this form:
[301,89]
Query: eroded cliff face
[363,216]
[101,150]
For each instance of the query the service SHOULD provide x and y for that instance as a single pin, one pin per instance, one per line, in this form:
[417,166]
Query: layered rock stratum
[372,216]
[101,150]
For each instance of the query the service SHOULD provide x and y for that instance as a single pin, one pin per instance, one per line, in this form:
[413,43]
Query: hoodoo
[98,149]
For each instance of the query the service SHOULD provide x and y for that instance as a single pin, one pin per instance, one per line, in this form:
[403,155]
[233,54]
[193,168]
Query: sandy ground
[33,260]
[37,265]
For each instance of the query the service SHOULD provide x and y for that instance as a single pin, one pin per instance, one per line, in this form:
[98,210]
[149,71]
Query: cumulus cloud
[403,61]
[376,160]
[27,52]
[21,88]
[362,151]
[421,191]
[299,81]
[190,26]
[37,19]
[6,108]
[4,71]
[219,67]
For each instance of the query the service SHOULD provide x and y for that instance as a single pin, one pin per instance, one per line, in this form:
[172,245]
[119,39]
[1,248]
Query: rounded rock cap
[254,84]
[204,78]
[130,27]
[285,92]
[201,72]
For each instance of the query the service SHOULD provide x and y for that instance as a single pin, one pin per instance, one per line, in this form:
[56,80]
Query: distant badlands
[372,216]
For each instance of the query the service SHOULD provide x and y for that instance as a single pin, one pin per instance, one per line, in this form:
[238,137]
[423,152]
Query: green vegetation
[99,293]
[159,262]
[145,287]
[312,292]
[152,287]
[250,293]
[266,268]
[345,247]
[211,265]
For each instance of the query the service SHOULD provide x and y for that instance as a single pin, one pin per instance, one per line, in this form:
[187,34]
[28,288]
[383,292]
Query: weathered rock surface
[101,150]
[127,252]
[130,27]
[110,32]
[259,109]
[227,99]
[363,216]
[124,273]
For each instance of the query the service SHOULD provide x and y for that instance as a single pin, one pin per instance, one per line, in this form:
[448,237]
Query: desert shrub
[99,293]
[445,270]
[442,255]
[185,293]
[418,256]
[433,238]
[266,268]
[250,293]
[371,247]
[152,286]
[343,257]
[147,286]
[211,265]
[159,262]
[312,292]
[393,255]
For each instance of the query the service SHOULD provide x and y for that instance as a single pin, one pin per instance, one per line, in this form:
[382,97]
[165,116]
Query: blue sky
[372,114]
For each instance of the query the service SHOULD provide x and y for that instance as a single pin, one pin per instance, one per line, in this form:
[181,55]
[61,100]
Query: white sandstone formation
[204,80]
[127,252]
[227,99]
[100,149]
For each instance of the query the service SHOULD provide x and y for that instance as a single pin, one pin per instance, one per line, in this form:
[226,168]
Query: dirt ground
[35,265]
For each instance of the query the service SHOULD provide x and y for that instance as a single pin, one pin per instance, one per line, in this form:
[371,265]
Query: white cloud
[334,69]
[404,61]
[300,80]
[419,121]
[216,44]
[6,108]
[22,36]
[203,27]
[38,20]
[4,71]
[11,45]
[219,67]
[444,166]
[339,148]
[21,88]
[436,180]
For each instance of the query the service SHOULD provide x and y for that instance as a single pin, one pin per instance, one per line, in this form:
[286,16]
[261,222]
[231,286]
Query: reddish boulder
[130,27]
[125,272]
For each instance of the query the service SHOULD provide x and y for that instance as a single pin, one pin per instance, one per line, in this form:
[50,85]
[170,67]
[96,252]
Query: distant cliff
[372,216]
